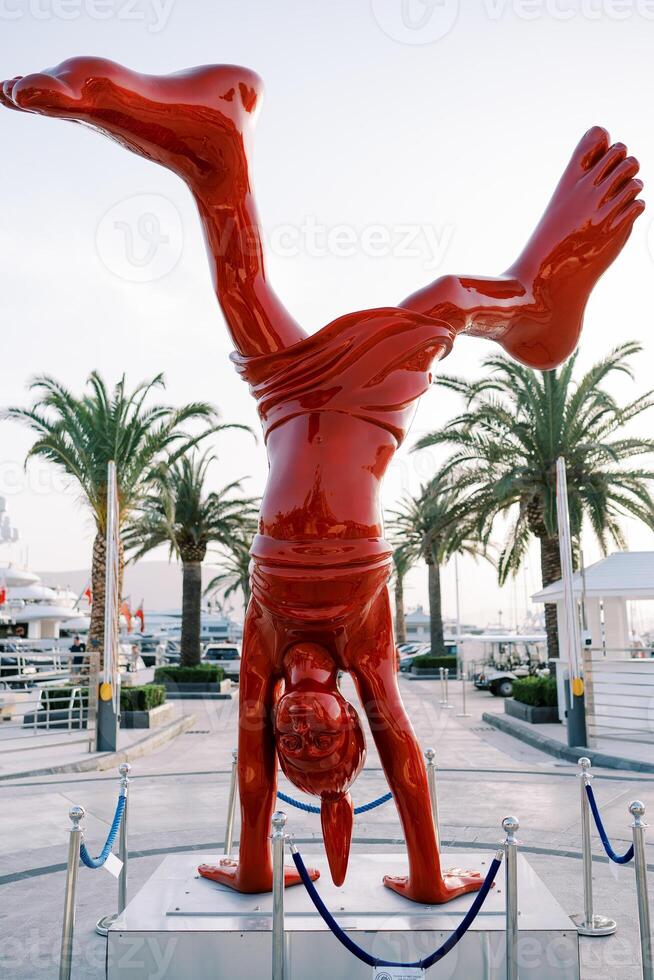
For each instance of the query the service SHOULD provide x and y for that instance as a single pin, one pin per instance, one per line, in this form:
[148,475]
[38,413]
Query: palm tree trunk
[400,621]
[98,590]
[247,592]
[550,567]
[435,609]
[191,612]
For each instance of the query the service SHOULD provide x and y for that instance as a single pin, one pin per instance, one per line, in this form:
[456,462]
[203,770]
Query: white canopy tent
[607,586]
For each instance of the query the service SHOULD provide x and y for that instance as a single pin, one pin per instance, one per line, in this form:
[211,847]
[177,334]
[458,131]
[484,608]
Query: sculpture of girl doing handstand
[334,407]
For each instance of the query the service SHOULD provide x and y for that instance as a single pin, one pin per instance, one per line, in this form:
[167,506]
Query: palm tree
[82,435]
[434,526]
[235,562]
[403,561]
[180,512]
[516,424]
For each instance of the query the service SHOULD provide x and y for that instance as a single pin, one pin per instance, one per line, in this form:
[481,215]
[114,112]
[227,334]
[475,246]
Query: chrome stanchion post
[102,925]
[510,827]
[231,805]
[430,756]
[447,689]
[589,923]
[124,770]
[637,810]
[463,713]
[278,936]
[76,814]
[441,674]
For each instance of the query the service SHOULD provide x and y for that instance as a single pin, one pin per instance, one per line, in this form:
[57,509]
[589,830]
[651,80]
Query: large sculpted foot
[192,122]
[438,891]
[230,873]
[586,224]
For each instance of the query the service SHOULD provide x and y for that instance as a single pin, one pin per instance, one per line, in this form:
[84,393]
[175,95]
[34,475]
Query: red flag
[88,595]
[127,613]
[3,595]
[140,615]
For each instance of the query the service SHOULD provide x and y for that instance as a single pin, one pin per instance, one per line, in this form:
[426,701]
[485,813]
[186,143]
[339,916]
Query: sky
[399,140]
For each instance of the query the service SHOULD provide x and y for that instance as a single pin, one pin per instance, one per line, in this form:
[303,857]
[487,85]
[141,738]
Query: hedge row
[142,698]
[131,698]
[202,673]
[537,691]
[426,660]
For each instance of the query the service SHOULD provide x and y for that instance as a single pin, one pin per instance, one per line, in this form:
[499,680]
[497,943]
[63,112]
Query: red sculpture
[335,406]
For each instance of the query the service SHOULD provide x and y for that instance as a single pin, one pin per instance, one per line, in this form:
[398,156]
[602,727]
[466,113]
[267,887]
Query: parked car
[407,652]
[225,655]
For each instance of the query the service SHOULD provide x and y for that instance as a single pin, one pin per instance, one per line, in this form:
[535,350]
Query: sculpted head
[320,744]
[319,739]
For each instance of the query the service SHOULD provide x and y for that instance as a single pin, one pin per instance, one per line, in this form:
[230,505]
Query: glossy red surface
[334,408]
[320,744]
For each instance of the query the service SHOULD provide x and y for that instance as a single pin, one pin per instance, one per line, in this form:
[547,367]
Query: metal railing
[48,695]
[619,698]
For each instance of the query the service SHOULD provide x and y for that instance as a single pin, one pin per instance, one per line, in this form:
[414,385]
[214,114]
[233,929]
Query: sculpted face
[319,741]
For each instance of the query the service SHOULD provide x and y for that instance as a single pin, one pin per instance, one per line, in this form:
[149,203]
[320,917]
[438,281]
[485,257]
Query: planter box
[535,715]
[198,689]
[154,718]
[426,672]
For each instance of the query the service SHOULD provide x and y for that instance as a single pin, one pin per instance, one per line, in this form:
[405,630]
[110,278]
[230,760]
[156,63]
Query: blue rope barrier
[92,862]
[366,957]
[618,858]
[309,808]
[375,803]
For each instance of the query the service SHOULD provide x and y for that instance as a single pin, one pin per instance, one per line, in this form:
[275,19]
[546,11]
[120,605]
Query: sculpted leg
[196,123]
[372,660]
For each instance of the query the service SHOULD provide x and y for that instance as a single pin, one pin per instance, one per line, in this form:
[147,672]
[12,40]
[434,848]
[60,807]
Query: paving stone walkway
[178,800]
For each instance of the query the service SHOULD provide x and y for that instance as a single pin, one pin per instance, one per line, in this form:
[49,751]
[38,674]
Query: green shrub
[537,691]
[142,698]
[201,674]
[426,660]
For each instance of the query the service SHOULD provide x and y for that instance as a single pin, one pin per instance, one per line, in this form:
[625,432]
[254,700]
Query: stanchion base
[203,931]
[601,925]
[102,925]
[463,714]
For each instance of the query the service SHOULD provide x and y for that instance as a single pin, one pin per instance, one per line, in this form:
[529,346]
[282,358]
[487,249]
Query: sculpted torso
[334,408]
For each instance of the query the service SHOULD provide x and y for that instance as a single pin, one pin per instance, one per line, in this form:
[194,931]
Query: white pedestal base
[182,927]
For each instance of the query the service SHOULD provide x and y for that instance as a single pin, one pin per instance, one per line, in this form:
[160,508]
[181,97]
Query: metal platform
[183,927]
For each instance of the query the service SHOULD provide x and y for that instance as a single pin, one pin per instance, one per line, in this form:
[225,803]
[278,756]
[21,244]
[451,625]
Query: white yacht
[30,610]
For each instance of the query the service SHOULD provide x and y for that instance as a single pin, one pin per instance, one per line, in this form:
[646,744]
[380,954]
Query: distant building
[417,626]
